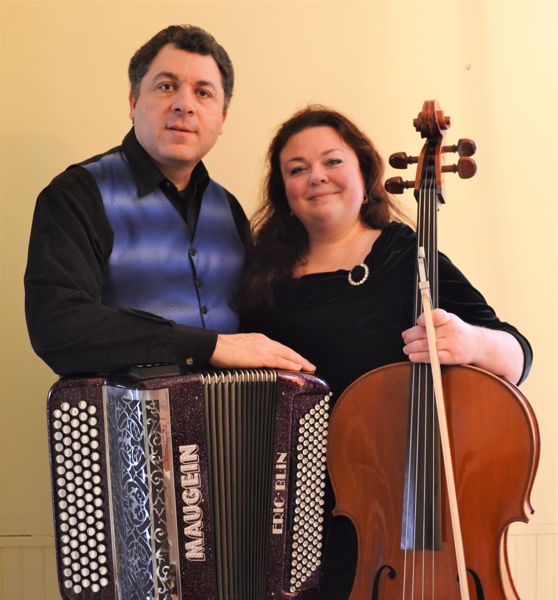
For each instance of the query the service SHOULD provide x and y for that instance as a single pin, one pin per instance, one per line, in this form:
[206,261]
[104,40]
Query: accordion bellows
[194,487]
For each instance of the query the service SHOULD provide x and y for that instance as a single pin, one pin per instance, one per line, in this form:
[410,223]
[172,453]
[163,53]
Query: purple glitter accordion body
[195,487]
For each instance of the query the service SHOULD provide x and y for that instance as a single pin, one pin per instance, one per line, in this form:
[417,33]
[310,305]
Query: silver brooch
[365,273]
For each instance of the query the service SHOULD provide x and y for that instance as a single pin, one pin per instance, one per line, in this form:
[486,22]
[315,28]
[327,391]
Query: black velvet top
[347,330]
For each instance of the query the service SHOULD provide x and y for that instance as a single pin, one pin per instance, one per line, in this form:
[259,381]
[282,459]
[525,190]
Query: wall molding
[28,565]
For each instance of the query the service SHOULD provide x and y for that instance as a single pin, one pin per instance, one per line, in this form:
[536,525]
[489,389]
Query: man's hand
[253,350]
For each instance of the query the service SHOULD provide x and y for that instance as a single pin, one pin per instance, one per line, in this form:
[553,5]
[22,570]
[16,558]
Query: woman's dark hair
[184,37]
[280,240]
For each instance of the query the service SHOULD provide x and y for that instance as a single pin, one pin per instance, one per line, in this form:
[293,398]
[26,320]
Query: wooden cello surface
[494,438]
[384,456]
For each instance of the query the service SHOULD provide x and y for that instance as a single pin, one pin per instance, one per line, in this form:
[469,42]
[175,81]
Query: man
[134,253]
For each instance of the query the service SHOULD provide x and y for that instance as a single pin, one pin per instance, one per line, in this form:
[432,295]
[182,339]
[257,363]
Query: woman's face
[323,182]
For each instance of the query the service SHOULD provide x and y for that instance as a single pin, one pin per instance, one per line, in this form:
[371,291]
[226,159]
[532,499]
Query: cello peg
[465,168]
[400,160]
[397,185]
[464,147]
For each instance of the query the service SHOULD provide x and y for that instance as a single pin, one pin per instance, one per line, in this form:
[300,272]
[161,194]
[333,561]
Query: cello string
[427,391]
[419,402]
[433,282]
[421,410]
[428,241]
[424,399]
[411,521]
[409,512]
[406,494]
[432,275]
[424,406]
[417,374]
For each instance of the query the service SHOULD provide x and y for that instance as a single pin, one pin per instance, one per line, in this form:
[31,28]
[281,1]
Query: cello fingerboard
[421,524]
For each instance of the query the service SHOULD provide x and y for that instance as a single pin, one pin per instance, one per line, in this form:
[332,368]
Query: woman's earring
[365,199]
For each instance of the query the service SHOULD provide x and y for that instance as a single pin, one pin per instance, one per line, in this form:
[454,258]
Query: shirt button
[204,310]
[189,361]
[198,282]
[192,252]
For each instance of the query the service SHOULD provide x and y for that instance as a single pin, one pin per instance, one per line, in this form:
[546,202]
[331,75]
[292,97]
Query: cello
[432,467]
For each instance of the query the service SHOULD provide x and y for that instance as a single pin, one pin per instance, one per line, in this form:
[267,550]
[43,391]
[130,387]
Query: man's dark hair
[184,37]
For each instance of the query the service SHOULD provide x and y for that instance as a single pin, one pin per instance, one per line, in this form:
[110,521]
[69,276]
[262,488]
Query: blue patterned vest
[154,265]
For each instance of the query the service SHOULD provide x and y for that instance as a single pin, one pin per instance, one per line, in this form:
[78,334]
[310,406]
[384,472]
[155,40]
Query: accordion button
[189,361]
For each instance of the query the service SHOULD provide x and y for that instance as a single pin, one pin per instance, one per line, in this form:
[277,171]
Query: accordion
[193,486]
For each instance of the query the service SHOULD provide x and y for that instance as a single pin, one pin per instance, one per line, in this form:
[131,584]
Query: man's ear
[132,103]
[225,113]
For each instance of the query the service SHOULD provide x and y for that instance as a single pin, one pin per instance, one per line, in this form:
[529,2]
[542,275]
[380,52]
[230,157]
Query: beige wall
[492,66]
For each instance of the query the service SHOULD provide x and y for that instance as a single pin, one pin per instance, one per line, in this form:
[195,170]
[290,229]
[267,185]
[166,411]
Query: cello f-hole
[376,587]
[479,593]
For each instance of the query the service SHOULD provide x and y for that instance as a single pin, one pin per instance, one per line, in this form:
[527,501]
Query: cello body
[494,437]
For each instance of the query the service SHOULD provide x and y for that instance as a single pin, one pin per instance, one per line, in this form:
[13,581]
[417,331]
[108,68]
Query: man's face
[179,111]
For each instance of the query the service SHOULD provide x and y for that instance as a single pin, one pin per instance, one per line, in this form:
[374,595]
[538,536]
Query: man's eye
[165,87]
[204,93]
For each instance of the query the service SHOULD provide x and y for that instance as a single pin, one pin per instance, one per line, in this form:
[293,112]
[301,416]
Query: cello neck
[429,198]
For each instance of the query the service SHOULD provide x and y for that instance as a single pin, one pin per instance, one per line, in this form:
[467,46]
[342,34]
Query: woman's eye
[296,170]
[333,161]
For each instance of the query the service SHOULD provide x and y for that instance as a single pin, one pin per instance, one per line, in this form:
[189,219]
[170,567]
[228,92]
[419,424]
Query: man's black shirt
[70,244]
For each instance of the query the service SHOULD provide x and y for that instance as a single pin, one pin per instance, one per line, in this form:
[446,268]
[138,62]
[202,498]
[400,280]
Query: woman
[332,276]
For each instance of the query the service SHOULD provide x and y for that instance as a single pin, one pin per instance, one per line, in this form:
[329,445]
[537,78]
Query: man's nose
[183,100]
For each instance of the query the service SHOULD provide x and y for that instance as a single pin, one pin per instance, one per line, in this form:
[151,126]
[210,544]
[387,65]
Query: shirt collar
[146,173]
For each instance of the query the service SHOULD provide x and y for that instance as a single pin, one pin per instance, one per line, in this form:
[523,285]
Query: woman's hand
[460,343]
[457,341]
